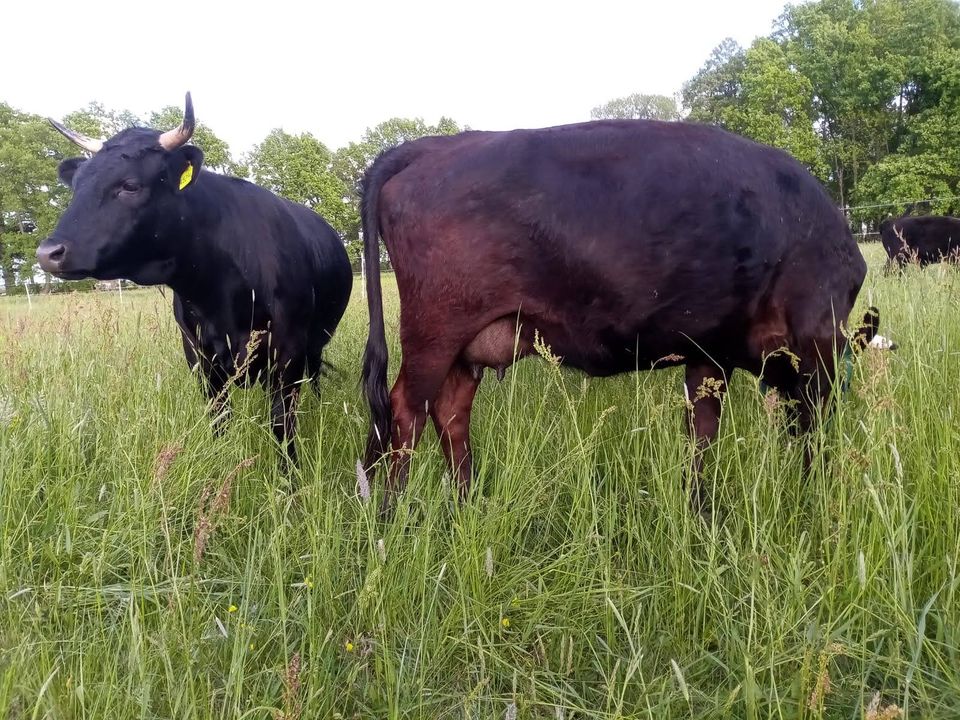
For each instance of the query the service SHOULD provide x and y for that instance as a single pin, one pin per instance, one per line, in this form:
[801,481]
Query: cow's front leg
[216,386]
[214,381]
[214,378]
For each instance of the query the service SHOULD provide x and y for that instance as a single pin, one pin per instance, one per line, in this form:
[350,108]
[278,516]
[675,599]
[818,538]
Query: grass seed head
[207,517]
[163,461]
[292,704]
[874,711]
[363,483]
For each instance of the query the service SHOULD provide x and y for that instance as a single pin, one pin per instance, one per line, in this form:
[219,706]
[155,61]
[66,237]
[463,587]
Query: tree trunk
[8,279]
[840,183]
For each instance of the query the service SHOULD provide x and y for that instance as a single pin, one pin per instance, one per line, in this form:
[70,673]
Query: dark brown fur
[624,244]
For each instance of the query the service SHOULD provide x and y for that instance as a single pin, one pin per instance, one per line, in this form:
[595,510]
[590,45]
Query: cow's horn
[172,139]
[88,144]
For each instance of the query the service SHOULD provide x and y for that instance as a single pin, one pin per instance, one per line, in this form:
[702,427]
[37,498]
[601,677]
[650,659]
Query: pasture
[149,570]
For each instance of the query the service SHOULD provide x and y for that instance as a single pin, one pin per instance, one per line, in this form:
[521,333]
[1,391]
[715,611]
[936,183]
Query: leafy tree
[638,107]
[926,164]
[716,86]
[354,159]
[96,121]
[855,77]
[351,162]
[31,198]
[775,105]
[859,91]
[299,167]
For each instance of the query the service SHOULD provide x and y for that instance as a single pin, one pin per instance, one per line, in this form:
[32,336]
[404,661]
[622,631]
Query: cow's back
[282,249]
[619,234]
[273,265]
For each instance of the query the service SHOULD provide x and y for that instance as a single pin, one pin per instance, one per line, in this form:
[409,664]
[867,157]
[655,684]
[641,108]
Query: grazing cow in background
[250,271]
[625,245]
[926,238]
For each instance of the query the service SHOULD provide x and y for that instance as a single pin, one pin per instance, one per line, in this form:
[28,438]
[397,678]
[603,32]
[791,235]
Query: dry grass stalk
[874,710]
[710,387]
[241,366]
[292,705]
[363,483]
[163,461]
[771,404]
[876,389]
[823,685]
[207,517]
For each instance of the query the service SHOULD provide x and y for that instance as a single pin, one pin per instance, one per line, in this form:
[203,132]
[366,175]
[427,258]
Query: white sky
[336,68]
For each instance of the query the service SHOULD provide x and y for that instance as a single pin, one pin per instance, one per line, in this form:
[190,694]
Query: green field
[144,575]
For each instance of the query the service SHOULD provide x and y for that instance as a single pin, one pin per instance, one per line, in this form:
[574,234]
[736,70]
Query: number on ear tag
[187,176]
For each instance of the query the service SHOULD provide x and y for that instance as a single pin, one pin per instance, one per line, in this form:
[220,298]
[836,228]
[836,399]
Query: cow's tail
[375,356]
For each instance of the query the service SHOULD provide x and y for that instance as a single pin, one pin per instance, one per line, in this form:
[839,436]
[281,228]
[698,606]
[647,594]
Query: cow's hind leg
[284,391]
[705,385]
[451,418]
[417,384]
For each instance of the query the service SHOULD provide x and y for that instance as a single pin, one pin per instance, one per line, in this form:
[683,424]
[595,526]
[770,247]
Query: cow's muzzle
[52,256]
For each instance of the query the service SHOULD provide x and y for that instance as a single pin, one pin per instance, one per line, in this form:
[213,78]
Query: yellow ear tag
[187,176]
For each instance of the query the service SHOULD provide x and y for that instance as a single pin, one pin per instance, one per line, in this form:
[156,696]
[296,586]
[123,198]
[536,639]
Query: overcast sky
[335,68]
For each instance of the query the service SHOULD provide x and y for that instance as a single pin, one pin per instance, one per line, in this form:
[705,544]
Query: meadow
[150,570]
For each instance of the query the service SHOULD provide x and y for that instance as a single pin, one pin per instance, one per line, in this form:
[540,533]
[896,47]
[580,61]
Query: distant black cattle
[626,245]
[249,270]
[924,239]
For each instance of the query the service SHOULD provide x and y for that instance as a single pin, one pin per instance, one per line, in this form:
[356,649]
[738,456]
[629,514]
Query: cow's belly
[601,357]
[604,350]
[235,356]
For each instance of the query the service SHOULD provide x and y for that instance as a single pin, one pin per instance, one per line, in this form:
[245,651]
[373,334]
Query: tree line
[865,93]
[297,166]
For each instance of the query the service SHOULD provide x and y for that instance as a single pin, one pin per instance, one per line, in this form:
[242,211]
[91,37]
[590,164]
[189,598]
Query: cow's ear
[183,166]
[68,168]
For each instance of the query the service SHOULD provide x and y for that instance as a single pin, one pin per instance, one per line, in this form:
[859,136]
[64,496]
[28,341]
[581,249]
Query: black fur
[242,263]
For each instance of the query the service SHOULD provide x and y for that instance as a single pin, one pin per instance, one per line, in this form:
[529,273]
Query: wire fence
[899,203]
[866,227]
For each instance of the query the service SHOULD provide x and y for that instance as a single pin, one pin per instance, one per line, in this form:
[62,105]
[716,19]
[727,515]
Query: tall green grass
[576,583]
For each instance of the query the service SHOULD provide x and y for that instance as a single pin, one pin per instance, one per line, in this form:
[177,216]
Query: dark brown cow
[626,245]
[925,239]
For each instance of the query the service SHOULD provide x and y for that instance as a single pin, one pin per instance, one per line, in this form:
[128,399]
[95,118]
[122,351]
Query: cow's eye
[130,186]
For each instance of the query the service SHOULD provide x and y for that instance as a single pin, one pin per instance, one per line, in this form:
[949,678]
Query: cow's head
[124,196]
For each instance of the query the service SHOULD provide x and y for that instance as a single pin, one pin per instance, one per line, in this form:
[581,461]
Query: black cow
[626,245]
[924,239]
[259,282]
